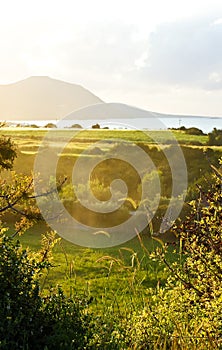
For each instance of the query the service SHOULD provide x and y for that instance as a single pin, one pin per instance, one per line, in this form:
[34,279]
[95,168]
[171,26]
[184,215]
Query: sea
[206,124]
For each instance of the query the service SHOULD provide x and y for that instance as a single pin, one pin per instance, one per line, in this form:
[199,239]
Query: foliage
[215,137]
[7,153]
[89,136]
[50,126]
[96,126]
[139,310]
[28,320]
[34,126]
[190,131]
[76,126]
[19,295]
[186,314]
[194,131]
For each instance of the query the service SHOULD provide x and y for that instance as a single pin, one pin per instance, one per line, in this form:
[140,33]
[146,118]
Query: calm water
[205,124]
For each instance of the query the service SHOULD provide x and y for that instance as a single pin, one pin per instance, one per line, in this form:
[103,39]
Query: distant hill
[106,111]
[42,98]
[106,114]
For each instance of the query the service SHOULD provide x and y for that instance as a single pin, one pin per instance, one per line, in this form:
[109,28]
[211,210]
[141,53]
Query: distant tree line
[190,131]
[215,136]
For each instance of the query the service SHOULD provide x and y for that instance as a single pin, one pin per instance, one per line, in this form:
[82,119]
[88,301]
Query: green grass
[29,140]
[81,270]
[117,278]
[87,272]
[34,135]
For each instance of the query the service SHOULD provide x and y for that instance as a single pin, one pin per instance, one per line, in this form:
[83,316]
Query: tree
[215,137]
[194,131]
[7,153]
[96,126]
[76,126]
[50,126]
[34,126]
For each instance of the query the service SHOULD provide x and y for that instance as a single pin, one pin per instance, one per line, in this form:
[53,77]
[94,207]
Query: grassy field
[111,276]
[108,274]
[28,141]
[123,284]
[25,135]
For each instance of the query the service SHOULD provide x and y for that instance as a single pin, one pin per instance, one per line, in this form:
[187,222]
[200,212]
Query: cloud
[94,52]
[176,68]
[186,53]
[103,54]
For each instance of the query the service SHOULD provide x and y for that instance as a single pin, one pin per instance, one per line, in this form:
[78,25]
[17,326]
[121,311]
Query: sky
[163,56]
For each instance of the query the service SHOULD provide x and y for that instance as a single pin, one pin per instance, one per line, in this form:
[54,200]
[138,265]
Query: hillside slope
[42,98]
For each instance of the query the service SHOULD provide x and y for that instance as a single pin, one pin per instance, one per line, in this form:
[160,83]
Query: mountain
[119,115]
[106,111]
[42,98]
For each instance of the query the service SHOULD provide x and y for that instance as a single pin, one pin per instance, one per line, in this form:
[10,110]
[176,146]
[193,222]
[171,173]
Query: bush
[186,314]
[96,126]
[7,153]
[19,296]
[194,131]
[50,126]
[28,320]
[215,138]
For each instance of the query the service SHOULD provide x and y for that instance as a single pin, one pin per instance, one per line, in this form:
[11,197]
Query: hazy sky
[164,56]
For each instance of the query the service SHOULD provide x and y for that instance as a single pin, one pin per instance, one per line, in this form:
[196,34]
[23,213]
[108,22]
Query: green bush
[29,320]
[187,312]
[194,131]
[215,137]
[184,314]
[19,296]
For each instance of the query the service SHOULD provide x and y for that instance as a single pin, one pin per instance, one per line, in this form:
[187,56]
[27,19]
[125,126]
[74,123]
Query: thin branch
[10,205]
[185,283]
[45,194]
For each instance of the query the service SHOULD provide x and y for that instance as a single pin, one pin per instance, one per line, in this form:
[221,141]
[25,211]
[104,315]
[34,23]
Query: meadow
[32,134]
[116,280]
[82,270]
[76,265]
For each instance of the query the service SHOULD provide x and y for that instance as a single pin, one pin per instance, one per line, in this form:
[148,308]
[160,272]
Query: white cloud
[215,77]
[217,21]
[143,53]
[185,53]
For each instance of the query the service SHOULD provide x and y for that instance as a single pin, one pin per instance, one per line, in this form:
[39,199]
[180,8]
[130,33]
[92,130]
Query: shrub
[50,125]
[28,320]
[194,131]
[215,137]
[186,314]
[19,295]
[96,126]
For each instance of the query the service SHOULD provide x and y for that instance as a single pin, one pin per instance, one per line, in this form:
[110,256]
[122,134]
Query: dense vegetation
[190,131]
[154,293]
[215,137]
